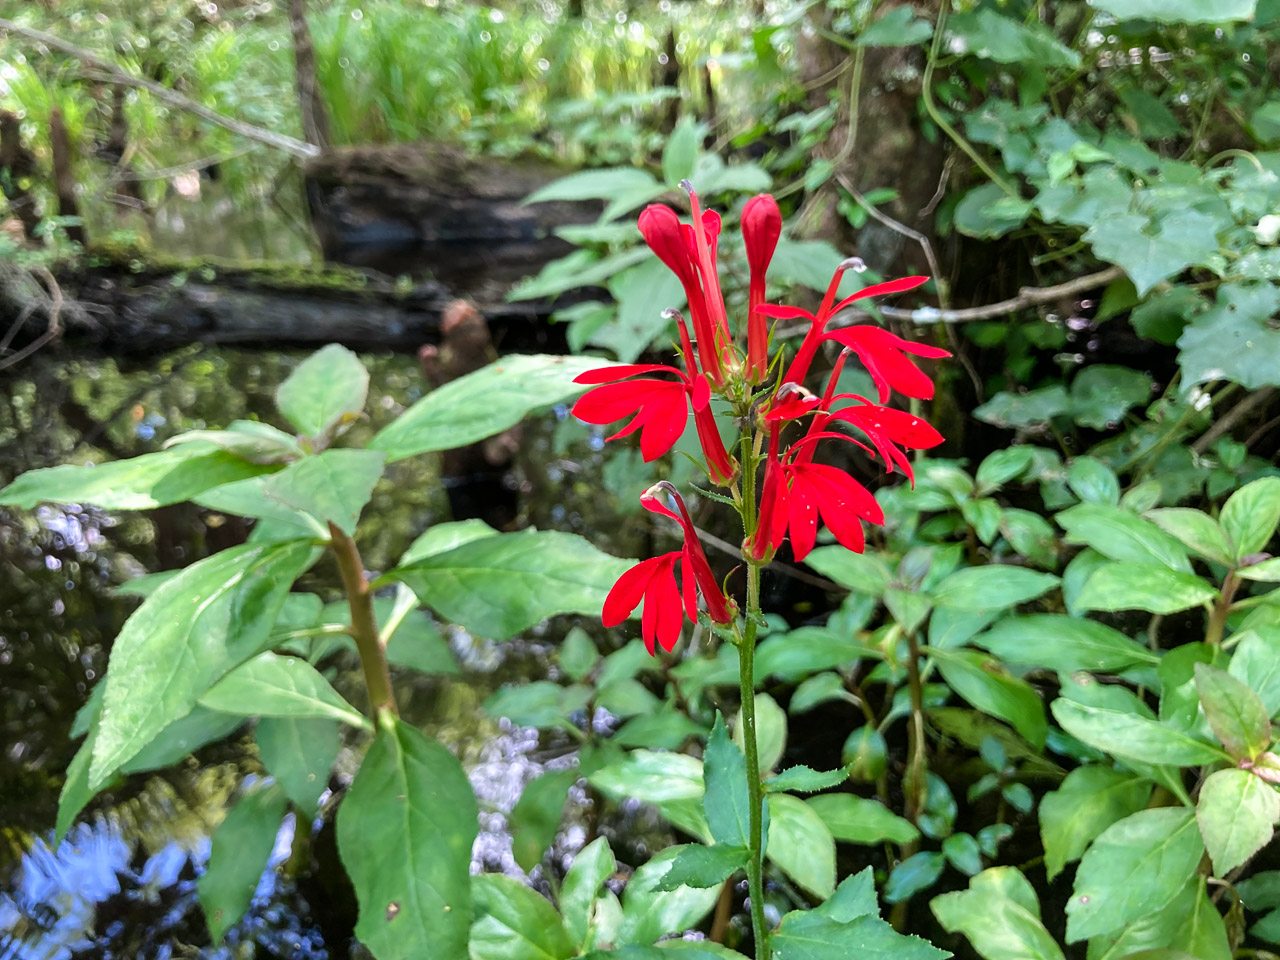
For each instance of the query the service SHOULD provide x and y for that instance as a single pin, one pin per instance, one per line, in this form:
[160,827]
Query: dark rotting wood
[64,181]
[16,164]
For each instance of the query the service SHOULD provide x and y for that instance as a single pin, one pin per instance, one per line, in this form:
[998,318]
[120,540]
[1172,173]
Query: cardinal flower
[882,354]
[889,431]
[761,228]
[666,603]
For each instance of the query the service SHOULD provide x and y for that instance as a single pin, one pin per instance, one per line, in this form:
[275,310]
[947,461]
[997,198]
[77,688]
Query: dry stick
[280,141]
[1232,417]
[55,309]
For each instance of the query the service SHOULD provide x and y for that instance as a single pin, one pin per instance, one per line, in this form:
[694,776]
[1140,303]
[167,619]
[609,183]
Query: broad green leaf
[811,935]
[991,587]
[1184,922]
[592,185]
[1237,811]
[638,320]
[411,796]
[1179,698]
[592,866]
[865,753]
[771,731]
[246,498]
[414,642]
[443,537]
[918,872]
[999,467]
[1250,515]
[535,818]
[1202,931]
[950,628]
[499,586]
[986,34]
[1179,11]
[1268,571]
[962,851]
[816,690]
[1063,644]
[1143,586]
[1135,867]
[578,654]
[806,650]
[803,779]
[1133,737]
[1035,407]
[726,802]
[207,620]
[270,685]
[333,486]
[240,848]
[1089,800]
[483,403]
[1000,926]
[1093,481]
[1233,339]
[800,845]
[680,152]
[151,480]
[863,572]
[326,390]
[1102,393]
[855,897]
[1197,530]
[1164,314]
[1256,661]
[248,439]
[1237,716]
[699,866]
[181,738]
[1149,253]
[1121,535]
[987,685]
[541,703]
[584,268]
[76,792]
[672,782]
[858,820]
[897,28]
[665,730]
[649,913]
[1030,535]
[299,753]
[627,698]
[987,212]
[514,922]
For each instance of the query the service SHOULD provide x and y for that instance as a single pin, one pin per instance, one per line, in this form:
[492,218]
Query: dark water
[123,884]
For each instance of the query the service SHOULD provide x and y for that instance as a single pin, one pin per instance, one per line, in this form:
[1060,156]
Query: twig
[54,328]
[280,141]
[164,173]
[1232,417]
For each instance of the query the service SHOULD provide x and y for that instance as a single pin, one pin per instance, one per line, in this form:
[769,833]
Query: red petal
[780,312]
[665,419]
[621,372]
[626,593]
[613,401]
[881,289]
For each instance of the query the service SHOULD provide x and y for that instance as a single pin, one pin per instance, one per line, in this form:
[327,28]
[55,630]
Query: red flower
[887,429]
[654,582]
[660,407]
[882,354]
[799,368]
[761,228]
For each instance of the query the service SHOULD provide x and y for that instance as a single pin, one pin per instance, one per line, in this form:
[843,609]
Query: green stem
[364,625]
[915,733]
[1221,608]
[746,678]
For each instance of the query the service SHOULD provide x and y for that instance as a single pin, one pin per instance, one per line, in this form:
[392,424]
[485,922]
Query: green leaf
[248,439]
[1233,339]
[196,627]
[1121,535]
[326,390]
[246,498]
[1033,408]
[151,480]
[857,820]
[811,935]
[806,650]
[699,866]
[803,779]
[240,848]
[666,730]
[411,796]
[333,486]
[1090,799]
[642,293]
[1268,571]
[1197,530]
[918,872]
[1183,239]
[897,28]
[514,922]
[270,685]
[1179,11]
[582,268]
[1063,644]
[1103,393]
[1143,586]
[535,819]
[1237,811]
[1132,737]
[771,731]
[987,685]
[800,845]
[681,151]
[1185,922]
[443,537]
[991,587]
[593,185]
[862,572]
[1092,480]
[963,853]
[1164,314]
[727,803]
[865,753]
[1237,716]
[593,865]
[498,586]
[1135,867]
[987,212]
[1250,515]
[1031,536]
[484,403]
[1000,467]
[541,703]
[990,36]
[627,698]
[816,690]
[578,654]
[181,738]
[1000,915]
[672,782]
[299,753]
[649,912]
[1256,661]
[76,792]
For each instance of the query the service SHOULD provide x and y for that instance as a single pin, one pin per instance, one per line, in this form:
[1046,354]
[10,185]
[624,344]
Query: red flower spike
[771,521]
[694,557]
[761,228]
[882,354]
[706,231]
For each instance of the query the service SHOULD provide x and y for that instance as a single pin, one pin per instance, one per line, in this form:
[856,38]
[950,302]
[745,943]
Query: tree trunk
[64,181]
[315,119]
